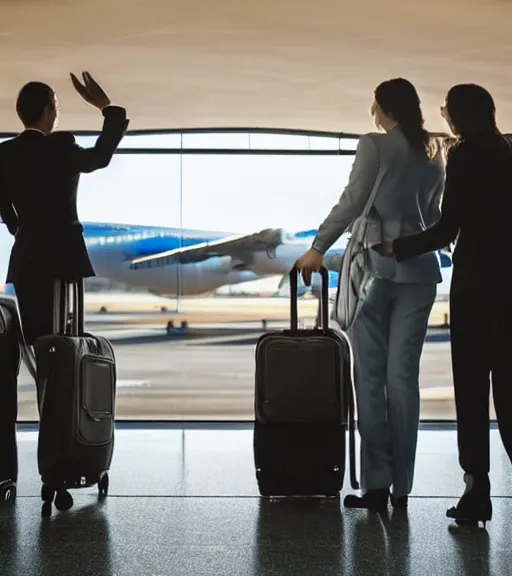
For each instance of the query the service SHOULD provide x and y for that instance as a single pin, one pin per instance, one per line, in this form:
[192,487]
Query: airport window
[348,143]
[86,141]
[222,140]
[170,237]
[324,143]
[150,141]
[169,140]
[140,189]
[264,141]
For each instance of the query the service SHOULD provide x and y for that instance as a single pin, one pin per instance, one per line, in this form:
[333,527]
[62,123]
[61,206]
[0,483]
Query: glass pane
[224,291]
[152,141]
[278,142]
[216,140]
[129,210]
[138,141]
[324,143]
[86,141]
[243,195]
[348,143]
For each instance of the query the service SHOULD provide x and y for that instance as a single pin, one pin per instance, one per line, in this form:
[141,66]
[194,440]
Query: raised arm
[353,200]
[444,232]
[99,156]
[114,127]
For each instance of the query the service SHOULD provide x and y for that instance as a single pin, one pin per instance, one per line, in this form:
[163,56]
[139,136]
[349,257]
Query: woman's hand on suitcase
[308,263]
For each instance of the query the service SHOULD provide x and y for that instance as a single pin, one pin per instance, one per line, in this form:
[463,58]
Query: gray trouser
[387,339]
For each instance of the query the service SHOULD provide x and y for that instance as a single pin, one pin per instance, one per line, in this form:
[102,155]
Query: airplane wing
[240,248]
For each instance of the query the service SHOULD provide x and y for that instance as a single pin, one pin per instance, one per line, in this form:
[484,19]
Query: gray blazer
[407,201]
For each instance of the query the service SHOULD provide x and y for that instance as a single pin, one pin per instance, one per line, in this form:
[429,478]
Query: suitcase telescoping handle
[68,308]
[324,299]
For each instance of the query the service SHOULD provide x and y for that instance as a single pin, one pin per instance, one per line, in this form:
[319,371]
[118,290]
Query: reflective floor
[184,501]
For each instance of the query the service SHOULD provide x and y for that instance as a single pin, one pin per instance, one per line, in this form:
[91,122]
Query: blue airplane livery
[172,261]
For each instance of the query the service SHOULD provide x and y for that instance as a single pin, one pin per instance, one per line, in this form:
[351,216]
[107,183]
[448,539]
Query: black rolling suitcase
[10,361]
[303,404]
[76,376]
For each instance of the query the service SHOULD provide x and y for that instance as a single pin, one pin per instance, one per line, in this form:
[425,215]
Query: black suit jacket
[39,176]
[476,209]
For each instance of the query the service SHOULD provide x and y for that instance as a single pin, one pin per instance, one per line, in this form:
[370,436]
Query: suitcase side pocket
[96,411]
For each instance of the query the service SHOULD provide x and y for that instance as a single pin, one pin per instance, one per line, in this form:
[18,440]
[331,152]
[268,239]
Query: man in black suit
[39,175]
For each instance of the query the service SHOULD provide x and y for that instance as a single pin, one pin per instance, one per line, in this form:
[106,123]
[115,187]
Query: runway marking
[131,383]
[437,393]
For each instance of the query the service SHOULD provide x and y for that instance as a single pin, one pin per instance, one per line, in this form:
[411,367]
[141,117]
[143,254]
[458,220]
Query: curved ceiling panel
[276,63]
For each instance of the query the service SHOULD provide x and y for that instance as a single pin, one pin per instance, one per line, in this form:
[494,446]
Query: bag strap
[360,224]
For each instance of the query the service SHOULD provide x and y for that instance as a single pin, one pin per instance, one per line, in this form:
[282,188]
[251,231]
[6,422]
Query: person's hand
[384,248]
[308,263]
[90,91]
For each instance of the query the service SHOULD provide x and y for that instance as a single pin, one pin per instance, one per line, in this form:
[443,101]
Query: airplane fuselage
[192,269]
[112,249]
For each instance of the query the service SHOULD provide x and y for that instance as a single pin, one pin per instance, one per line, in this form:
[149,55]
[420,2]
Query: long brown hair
[398,98]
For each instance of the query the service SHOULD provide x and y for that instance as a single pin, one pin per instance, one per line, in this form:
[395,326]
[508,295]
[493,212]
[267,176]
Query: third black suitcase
[303,404]
[76,377]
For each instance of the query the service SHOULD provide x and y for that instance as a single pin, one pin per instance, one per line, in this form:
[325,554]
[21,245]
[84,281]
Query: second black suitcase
[10,360]
[76,376]
[303,403]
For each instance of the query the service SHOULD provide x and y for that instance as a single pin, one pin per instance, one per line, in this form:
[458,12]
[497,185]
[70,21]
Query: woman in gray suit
[387,335]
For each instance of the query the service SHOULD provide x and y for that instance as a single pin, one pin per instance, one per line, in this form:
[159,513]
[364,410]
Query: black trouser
[35,301]
[481,325]
[9,359]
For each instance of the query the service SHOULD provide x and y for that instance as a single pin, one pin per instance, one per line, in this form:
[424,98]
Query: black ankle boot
[399,501]
[475,504]
[370,500]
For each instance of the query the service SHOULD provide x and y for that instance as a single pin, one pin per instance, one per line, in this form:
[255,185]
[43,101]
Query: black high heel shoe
[475,504]
[399,501]
[370,500]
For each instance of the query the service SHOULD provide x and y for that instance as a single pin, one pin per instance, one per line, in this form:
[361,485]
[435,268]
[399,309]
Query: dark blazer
[39,176]
[476,209]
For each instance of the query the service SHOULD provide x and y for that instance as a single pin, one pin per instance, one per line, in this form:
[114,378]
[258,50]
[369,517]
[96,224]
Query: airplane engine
[199,277]
[315,288]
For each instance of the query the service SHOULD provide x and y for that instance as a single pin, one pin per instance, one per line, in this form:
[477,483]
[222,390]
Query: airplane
[172,261]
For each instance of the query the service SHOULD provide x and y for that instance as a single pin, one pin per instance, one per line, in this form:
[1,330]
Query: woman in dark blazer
[477,211]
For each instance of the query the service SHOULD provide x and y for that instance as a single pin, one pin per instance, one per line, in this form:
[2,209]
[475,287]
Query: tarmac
[206,372]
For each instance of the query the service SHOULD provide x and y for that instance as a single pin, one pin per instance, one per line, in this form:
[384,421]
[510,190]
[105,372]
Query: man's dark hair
[32,101]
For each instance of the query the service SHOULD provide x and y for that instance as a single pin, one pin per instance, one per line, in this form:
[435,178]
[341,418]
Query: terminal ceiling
[309,64]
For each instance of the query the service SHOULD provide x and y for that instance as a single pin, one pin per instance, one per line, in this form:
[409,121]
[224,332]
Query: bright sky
[238,193]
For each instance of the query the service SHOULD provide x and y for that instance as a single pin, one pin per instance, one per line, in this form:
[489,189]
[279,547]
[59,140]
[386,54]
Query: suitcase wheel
[7,492]
[63,500]
[103,485]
